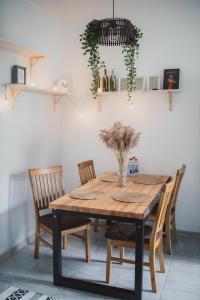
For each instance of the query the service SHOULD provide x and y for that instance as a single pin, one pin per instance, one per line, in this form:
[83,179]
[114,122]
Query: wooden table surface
[107,205]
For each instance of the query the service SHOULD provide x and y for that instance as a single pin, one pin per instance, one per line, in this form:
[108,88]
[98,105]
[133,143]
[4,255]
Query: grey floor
[181,280]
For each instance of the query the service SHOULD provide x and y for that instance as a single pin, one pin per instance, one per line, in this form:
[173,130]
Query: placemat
[132,197]
[111,178]
[86,195]
[147,179]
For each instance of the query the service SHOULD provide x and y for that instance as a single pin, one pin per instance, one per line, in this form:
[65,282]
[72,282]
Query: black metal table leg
[57,255]
[91,286]
[139,259]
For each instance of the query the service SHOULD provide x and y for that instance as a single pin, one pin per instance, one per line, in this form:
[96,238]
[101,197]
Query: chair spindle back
[47,185]
[179,176]
[86,171]
[161,213]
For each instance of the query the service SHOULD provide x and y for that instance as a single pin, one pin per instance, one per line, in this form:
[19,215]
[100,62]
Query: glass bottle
[105,82]
[113,82]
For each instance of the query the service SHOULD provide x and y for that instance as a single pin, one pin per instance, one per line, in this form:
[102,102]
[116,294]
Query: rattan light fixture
[114,31]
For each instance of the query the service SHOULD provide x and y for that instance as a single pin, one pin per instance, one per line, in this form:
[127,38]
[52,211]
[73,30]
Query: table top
[107,205]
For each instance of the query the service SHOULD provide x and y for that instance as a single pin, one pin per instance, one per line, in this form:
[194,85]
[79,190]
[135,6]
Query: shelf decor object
[18,74]
[32,56]
[15,89]
[121,139]
[111,32]
[153,83]
[171,79]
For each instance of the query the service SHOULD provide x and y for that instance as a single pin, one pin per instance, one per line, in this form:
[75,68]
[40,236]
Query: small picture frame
[171,79]
[122,85]
[18,75]
[139,83]
[153,83]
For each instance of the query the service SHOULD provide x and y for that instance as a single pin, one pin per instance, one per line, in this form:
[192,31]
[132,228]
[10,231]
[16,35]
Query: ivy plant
[90,47]
[130,52]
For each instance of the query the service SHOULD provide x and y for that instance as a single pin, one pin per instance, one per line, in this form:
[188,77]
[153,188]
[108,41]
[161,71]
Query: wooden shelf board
[142,91]
[5,44]
[15,89]
[169,93]
[165,91]
[37,90]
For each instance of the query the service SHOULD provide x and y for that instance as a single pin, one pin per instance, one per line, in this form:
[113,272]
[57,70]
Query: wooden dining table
[111,210]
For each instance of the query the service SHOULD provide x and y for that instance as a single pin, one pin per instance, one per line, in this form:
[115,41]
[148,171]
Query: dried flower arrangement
[121,139]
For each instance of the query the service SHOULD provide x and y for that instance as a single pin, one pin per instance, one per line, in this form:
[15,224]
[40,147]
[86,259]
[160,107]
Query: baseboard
[18,246]
[191,233]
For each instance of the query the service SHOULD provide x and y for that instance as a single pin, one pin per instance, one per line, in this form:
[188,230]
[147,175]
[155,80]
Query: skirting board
[18,246]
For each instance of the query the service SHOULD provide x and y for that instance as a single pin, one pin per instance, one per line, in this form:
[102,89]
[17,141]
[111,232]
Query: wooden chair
[170,219]
[47,186]
[123,235]
[87,173]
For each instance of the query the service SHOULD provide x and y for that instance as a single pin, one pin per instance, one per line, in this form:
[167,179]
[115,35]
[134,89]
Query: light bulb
[32,84]
[131,106]
[55,88]
[4,104]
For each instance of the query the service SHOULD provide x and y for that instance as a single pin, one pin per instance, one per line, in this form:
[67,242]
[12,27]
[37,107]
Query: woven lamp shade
[114,32]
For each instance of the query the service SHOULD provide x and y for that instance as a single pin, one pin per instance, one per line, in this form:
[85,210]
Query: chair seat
[67,222]
[126,232]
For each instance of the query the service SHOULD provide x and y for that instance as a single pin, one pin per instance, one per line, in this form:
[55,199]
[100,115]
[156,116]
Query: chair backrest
[47,186]
[161,212]
[86,171]
[179,176]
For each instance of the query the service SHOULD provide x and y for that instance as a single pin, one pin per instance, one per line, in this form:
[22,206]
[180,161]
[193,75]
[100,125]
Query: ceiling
[61,9]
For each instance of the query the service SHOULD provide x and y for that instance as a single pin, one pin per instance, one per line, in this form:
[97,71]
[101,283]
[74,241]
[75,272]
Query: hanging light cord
[5,92]
[113,9]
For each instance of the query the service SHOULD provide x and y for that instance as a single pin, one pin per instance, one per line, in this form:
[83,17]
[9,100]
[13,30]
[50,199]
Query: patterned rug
[14,293]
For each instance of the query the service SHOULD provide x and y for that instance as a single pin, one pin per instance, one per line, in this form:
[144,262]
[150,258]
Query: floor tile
[169,294]
[181,280]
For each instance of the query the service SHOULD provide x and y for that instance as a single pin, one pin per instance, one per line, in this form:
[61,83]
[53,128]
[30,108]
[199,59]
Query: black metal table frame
[93,287]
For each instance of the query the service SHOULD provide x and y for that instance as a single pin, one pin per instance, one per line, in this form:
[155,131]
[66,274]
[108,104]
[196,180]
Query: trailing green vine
[90,47]
[130,52]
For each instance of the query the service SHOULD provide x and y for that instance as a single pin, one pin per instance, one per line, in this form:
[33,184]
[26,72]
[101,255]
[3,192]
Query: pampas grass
[121,139]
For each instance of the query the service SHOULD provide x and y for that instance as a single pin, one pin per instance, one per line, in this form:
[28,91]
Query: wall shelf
[15,89]
[32,56]
[169,93]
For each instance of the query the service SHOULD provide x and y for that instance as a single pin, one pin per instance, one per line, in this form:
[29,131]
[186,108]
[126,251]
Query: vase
[122,174]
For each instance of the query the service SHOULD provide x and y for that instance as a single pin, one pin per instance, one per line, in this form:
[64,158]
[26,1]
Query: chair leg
[65,242]
[121,255]
[161,257]
[96,224]
[152,270]
[87,243]
[109,262]
[37,243]
[174,228]
[168,237]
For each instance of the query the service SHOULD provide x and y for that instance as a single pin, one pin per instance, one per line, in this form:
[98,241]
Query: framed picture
[18,75]
[153,83]
[139,83]
[171,79]
[122,85]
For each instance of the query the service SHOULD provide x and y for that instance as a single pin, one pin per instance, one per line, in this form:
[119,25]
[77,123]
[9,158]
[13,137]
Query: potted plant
[90,47]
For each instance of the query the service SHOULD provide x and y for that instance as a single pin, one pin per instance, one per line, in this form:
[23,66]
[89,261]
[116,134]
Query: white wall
[33,135]
[171,40]
[30,134]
